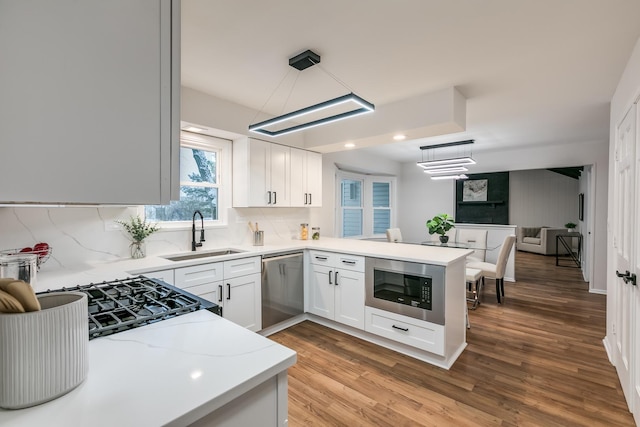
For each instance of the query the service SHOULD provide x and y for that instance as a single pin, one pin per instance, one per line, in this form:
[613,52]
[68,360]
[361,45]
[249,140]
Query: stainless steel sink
[198,255]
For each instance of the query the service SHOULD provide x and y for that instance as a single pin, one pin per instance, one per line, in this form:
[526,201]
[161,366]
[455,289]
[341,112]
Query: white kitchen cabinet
[90,103]
[261,174]
[242,302]
[306,178]
[234,285]
[336,289]
[205,280]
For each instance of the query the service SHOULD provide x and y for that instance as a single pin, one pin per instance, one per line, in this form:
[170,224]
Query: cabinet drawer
[242,267]
[423,335]
[187,277]
[164,275]
[322,258]
[349,262]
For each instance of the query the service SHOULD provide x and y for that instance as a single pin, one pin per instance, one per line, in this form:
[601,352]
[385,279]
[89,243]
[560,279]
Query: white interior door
[624,225]
[634,402]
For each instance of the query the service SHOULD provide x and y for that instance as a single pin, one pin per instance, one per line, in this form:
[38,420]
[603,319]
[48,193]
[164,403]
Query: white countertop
[167,373]
[120,269]
[144,376]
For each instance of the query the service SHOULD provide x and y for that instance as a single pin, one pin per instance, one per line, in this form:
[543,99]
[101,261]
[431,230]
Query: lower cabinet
[417,333]
[164,275]
[234,285]
[336,288]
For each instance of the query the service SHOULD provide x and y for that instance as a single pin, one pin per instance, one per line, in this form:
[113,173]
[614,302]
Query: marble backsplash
[84,236]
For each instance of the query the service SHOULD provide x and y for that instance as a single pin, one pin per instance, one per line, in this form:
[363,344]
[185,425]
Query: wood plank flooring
[536,360]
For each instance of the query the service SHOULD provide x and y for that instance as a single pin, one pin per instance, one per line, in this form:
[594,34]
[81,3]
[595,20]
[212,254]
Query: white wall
[541,197]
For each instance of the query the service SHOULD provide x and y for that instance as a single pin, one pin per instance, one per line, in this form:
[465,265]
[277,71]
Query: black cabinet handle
[321,258]
[330,277]
[275,198]
[398,327]
[348,262]
[228,290]
[310,198]
[336,278]
[219,293]
[269,193]
[305,198]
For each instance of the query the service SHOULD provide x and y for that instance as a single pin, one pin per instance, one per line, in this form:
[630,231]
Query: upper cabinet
[274,175]
[306,178]
[260,174]
[90,104]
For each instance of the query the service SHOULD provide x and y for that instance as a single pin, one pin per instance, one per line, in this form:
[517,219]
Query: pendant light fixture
[446,168]
[302,62]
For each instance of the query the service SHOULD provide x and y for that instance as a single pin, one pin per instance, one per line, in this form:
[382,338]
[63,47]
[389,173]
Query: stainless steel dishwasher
[282,287]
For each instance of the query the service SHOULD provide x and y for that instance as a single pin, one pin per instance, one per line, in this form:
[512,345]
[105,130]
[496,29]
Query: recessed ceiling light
[399,137]
[349,145]
[193,129]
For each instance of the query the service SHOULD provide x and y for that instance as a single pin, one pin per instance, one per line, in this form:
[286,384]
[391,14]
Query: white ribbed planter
[44,354]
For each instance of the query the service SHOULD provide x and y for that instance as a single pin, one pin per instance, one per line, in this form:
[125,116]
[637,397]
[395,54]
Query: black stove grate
[119,305]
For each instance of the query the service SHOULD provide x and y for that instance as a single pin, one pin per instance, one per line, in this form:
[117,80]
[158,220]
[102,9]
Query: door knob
[627,277]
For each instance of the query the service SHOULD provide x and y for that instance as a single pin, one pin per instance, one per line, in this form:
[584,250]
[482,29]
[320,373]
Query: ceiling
[534,72]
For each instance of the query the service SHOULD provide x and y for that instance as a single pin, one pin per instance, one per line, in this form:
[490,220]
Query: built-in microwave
[407,288]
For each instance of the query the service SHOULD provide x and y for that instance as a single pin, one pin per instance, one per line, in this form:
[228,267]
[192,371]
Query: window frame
[223,148]
[367,203]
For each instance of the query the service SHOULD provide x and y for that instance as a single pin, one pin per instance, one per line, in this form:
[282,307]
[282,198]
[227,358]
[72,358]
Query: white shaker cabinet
[306,178]
[261,174]
[336,288]
[90,104]
[234,285]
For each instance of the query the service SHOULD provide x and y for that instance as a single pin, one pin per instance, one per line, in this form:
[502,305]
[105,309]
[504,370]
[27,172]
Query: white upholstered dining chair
[477,238]
[496,271]
[394,235]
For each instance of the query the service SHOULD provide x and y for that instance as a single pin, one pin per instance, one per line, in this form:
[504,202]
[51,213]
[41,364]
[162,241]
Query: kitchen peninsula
[177,371]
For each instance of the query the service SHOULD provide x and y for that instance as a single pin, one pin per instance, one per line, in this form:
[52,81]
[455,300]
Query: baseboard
[598,291]
[605,342]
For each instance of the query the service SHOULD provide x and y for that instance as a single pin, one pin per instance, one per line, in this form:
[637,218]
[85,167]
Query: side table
[565,241]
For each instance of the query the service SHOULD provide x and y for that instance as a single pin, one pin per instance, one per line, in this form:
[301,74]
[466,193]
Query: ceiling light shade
[448,168]
[364,107]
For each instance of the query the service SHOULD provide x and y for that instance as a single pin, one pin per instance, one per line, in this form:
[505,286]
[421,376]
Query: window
[365,205]
[204,166]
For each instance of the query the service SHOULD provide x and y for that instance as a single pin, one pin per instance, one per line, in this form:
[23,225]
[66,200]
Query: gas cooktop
[119,305]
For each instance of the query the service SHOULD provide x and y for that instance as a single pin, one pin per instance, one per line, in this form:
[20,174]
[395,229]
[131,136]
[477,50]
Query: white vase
[138,250]
[44,354]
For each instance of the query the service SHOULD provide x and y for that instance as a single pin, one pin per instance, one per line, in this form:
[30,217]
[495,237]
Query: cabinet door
[349,298]
[314,179]
[298,177]
[321,291]
[259,179]
[280,157]
[98,122]
[242,302]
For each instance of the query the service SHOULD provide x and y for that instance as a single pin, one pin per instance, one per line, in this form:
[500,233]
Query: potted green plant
[440,224]
[138,229]
[571,226]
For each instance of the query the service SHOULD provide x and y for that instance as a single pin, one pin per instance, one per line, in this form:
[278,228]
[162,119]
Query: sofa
[540,240]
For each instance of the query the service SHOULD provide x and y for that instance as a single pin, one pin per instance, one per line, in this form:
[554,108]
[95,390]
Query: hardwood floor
[536,360]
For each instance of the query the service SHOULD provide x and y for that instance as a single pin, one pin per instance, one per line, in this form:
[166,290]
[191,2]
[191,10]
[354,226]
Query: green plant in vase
[138,229]
[440,224]
[571,226]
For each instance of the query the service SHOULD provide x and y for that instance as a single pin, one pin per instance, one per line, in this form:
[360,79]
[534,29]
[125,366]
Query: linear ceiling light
[449,165]
[446,170]
[452,176]
[300,62]
[365,107]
